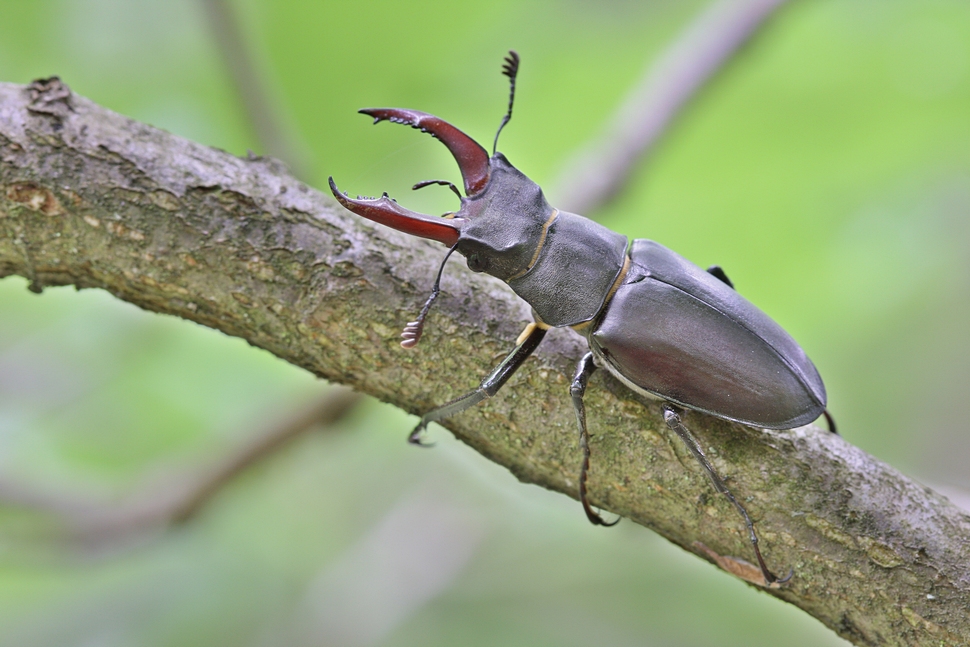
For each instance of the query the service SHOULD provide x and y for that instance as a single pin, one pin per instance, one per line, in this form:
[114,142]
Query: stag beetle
[665,327]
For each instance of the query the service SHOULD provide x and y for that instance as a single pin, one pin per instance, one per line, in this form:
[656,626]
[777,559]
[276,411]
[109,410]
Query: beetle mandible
[663,326]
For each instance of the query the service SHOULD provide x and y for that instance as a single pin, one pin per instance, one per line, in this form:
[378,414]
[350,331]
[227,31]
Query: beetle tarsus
[577,390]
[416,437]
[675,424]
[784,580]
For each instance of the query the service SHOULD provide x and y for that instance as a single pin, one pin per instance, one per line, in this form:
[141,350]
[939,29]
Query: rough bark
[93,199]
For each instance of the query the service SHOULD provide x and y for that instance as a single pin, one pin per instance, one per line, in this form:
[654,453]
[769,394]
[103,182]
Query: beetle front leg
[578,390]
[525,345]
[672,418]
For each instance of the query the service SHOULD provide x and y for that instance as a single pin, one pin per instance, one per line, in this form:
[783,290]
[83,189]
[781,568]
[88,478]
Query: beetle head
[501,219]
[503,216]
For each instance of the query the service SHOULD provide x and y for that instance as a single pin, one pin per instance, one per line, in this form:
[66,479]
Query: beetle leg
[831,422]
[718,273]
[578,390]
[672,418]
[526,344]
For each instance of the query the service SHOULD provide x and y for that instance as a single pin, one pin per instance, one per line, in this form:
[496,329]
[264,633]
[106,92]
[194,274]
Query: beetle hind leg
[674,423]
[578,390]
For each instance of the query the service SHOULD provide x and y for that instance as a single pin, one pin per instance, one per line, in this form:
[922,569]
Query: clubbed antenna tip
[414,329]
[510,68]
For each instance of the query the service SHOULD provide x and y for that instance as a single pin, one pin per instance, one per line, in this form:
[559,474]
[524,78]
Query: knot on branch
[50,96]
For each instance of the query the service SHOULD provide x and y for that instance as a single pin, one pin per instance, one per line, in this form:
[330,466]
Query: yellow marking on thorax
[609,295]
[542,241]
[529,330]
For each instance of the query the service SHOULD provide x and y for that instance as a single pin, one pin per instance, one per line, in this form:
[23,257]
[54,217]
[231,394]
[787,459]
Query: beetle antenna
[421,185]
[509,69]
[412,332]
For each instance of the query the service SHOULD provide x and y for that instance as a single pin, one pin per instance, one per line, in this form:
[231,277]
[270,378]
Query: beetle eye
[476,262]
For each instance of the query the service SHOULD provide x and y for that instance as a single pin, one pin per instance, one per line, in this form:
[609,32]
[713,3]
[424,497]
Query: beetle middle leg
[525,345]
[578,390]
[672,418]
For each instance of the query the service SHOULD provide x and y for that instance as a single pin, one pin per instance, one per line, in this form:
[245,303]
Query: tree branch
[599,171]
[177,495]
[93,199]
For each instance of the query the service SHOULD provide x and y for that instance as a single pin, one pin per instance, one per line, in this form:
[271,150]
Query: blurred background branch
[178,493]
[274,133]
[599,171]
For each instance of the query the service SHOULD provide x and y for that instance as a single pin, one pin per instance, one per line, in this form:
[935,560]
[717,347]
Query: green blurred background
[827,170]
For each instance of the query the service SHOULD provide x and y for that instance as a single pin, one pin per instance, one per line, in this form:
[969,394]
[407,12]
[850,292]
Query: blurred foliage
[827,170]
